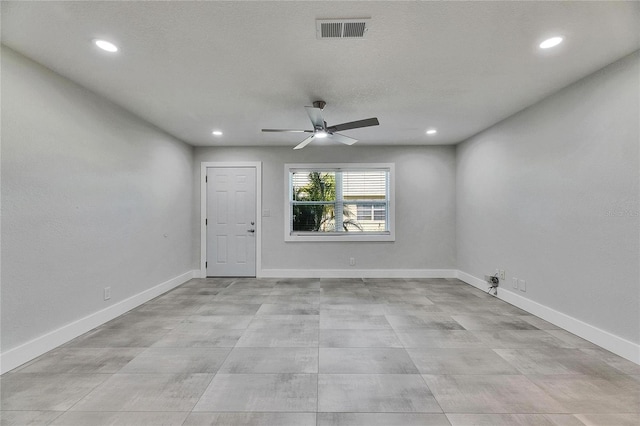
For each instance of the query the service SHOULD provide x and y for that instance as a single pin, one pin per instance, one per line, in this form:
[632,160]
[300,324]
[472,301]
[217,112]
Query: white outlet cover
[523,285]
[515,282]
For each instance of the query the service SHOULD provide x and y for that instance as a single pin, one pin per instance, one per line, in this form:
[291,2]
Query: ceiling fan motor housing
[319,104]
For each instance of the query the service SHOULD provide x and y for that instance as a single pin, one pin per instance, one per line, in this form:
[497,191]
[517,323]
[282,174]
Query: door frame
[203,210]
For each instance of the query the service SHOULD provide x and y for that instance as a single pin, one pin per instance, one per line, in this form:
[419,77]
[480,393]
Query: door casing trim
[203,210]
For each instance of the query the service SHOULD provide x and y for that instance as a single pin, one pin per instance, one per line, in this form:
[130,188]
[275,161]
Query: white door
[231,218]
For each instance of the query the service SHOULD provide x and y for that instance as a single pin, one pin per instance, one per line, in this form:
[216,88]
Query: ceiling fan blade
[343,139]
[354,125]
[287,130]
[315,114]
[304,143]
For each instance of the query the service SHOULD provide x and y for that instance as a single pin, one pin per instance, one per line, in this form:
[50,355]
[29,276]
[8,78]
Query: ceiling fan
[321,130]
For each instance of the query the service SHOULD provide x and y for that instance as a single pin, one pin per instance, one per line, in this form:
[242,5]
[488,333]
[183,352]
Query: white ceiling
[191,67]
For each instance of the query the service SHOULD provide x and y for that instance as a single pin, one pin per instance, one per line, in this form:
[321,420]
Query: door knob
[251,230]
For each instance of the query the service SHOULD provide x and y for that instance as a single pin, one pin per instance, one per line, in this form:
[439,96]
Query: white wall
[551,196]
[425,208]
[91,197]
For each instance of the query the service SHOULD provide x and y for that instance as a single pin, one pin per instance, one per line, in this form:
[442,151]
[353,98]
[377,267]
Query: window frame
[290,236]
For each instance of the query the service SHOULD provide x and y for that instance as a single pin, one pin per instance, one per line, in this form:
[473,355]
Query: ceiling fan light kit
[322,131]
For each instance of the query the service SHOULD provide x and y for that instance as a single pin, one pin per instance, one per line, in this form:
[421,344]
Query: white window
[372,212]
[339,202]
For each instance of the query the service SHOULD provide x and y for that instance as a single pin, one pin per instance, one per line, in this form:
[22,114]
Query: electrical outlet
[107,293]
[503,275]
[523,285]
[352,261]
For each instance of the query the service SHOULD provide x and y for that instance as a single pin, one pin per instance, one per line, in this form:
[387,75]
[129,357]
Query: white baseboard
[602,338]
[27,351]
[358,273]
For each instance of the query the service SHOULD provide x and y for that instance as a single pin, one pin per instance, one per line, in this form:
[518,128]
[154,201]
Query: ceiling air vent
[341,28]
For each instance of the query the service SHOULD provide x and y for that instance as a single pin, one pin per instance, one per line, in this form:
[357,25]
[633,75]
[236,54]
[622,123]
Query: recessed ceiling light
[105,45]
[551,42]
[432,131]
[216,133]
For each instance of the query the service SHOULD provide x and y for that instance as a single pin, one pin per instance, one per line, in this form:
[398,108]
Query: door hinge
[206,264]
[206,222]
[206,179]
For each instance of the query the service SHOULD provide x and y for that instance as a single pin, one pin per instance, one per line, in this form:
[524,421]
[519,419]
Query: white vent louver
[341,28]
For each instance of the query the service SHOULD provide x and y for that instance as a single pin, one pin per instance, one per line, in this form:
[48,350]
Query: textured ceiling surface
[192,67]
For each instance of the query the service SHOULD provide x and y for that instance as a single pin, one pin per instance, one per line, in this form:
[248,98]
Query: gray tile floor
[324,352]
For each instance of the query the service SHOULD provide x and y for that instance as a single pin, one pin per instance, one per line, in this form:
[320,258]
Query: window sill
[342,236]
